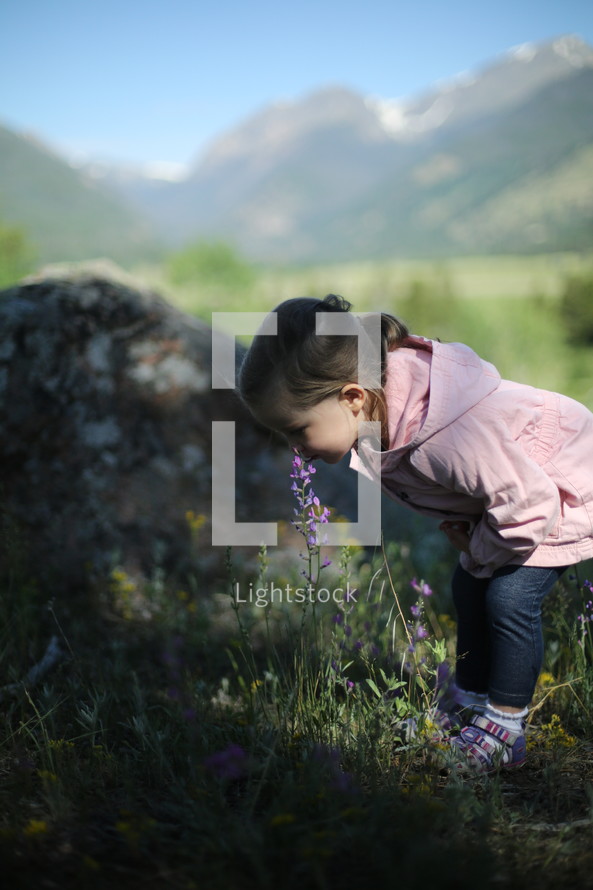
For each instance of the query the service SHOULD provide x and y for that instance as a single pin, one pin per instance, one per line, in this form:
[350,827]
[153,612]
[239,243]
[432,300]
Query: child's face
[327,431]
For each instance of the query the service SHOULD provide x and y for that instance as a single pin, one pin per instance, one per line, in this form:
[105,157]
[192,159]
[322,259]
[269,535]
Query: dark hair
[309,367]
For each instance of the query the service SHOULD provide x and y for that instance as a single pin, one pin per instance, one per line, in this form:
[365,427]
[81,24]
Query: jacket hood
[427,387]
[459,379]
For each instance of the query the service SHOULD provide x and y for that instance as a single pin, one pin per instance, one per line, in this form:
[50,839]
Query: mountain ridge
[65,213]
[309,180]
[336,174]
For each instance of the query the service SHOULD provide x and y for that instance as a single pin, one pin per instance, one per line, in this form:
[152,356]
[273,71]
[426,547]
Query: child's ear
[353,396]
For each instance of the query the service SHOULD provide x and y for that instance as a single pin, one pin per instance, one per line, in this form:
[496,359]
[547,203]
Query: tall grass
[192,737]
[186,741]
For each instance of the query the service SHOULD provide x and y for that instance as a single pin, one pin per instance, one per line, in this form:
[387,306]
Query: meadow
[195,736]
[508,308]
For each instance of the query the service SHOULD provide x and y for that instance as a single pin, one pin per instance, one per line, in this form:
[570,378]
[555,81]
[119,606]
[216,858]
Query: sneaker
[435,724]
[477,748]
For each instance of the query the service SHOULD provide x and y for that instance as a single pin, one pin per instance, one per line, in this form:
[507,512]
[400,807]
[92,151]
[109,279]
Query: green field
[506,308]
[381,285]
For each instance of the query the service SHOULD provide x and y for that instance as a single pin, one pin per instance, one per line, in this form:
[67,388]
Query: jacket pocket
[549,429]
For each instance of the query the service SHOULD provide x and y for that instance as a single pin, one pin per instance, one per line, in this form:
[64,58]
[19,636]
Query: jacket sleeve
[477,456]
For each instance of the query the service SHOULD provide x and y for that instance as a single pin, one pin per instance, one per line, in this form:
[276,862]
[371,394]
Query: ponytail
[303,367]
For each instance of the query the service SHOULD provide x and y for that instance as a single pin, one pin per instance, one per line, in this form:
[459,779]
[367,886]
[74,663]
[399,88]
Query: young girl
[508,470]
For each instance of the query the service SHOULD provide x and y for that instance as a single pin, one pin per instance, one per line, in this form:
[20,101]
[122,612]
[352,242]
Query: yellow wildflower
[35,827]
[447,623]
[121,582]
[557,734]
[194,521]
[91,863]
[418,784]
[546,679]
[60,744]
[552,735]
[351,813]
[283,819]
[132,827]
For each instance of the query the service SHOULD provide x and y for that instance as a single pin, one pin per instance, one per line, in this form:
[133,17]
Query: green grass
[186,740]
[374,286]
[506,308]
[189,740]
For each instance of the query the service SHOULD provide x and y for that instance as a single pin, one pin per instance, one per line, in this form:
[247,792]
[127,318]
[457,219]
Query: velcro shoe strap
[496,730]
[472,737]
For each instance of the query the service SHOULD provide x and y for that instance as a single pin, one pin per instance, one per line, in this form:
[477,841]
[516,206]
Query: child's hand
[458,534]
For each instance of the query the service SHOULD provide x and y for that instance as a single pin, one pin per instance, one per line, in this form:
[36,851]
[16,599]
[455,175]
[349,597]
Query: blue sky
[157,81]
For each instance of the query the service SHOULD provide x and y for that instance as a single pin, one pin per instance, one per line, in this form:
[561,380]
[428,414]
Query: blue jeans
[499,631]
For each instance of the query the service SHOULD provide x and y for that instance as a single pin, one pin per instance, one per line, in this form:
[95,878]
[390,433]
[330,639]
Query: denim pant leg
[500,642]
[514,601]
[472,669]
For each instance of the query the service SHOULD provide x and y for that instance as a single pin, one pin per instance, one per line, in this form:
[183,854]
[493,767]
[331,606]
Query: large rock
[106,410]
[105,432]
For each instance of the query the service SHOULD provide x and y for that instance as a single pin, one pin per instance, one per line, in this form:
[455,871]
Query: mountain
[496,160]
[518,181]
[67,215]
[325,149]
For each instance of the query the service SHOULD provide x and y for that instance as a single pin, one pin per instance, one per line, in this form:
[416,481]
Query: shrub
[577,308]
[16,255]
[211,264]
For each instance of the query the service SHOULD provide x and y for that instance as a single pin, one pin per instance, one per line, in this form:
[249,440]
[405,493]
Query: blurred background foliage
[210,265]
[577,308]
[532,316]
[16,254]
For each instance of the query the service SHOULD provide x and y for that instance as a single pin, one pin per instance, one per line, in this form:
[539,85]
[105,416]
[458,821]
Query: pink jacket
[514,461]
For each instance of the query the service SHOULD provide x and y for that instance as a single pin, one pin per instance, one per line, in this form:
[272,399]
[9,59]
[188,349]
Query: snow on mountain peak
[399,121]
[523,52]
[391,114]
[578,53]
[169,171]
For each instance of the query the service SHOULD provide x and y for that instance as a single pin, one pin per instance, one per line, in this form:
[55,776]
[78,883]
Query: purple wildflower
[421,632]
[421,587]
[443,675]
[326,755]
[227,764]
[310,511]
[343,782]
